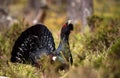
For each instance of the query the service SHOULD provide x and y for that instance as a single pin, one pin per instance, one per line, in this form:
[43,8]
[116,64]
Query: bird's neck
[64,38]
[64,48]
[64,43]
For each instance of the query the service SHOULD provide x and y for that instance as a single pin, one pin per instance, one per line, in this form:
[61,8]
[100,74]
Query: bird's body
[32,43]
[38,40]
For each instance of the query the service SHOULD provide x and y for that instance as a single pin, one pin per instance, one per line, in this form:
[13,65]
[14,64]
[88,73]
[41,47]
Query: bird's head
[67,27]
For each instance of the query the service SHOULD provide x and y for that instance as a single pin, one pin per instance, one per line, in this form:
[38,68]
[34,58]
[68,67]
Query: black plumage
[38,40]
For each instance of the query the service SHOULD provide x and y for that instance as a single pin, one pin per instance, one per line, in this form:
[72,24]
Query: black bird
[38,40]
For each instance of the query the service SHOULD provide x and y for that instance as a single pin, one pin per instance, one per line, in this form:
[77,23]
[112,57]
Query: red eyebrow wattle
[64,25]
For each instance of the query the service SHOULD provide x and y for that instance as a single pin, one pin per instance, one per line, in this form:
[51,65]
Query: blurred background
[94,42]
[38,11]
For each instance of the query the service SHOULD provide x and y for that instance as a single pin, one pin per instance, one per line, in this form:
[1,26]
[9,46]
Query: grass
[95,54]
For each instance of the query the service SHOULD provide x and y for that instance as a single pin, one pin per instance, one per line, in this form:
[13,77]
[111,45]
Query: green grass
[95,54]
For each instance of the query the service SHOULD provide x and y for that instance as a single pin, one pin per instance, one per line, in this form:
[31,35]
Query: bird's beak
[69,22]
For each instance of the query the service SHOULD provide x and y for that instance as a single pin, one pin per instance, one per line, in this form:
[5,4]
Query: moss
[104,34]
[114,52]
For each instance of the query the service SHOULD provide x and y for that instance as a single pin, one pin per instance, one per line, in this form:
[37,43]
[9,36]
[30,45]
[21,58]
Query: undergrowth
[95,53]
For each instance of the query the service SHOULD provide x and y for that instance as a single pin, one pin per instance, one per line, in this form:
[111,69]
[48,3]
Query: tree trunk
[80,10]
[87,10]
[36,11]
